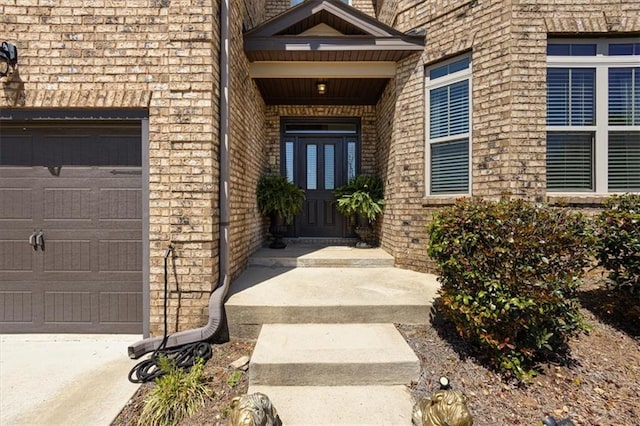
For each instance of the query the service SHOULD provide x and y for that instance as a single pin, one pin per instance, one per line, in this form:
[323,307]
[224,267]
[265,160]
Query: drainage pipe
[216,328]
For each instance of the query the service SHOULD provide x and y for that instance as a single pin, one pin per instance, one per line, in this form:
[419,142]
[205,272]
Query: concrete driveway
[70,379]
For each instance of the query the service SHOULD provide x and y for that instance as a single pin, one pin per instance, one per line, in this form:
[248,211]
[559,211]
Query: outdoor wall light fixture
[322,87]
[8,57]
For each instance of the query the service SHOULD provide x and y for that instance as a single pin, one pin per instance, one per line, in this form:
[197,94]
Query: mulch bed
[600,385]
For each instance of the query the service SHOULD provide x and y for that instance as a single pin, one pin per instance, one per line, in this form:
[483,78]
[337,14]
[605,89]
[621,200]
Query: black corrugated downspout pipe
[216,328]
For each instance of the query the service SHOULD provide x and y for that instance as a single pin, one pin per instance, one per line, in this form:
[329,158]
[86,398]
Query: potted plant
[361,200]
[281,201]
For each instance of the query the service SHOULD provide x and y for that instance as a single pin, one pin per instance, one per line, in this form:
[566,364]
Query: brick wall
[247,145]
[157,55]
[276,7]
[508,44]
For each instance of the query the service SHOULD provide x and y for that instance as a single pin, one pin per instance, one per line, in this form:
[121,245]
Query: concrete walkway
[64,379]
[327,352]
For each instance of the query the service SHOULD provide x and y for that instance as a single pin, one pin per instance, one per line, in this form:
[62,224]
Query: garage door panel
[17,149]
[120,307]
[121,204]
[120,256]
[67,204]
[67,256]
[67,307]
[16,307]
[16,204]
[16,255]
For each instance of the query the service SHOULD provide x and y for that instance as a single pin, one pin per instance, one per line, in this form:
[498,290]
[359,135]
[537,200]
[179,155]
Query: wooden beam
[322,69]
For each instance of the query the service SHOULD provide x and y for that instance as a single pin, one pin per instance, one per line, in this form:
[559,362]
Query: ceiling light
[322,87]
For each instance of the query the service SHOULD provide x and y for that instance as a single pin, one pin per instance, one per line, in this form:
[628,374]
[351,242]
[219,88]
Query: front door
[319,162]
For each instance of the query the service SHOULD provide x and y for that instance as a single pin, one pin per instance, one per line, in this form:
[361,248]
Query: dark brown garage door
[70,227]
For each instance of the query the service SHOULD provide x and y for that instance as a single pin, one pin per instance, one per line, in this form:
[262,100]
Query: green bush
[618,245]
[177,394]
[510,273]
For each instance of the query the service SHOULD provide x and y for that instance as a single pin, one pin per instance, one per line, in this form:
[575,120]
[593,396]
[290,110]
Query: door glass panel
[288,160]
[312,167]
[351,160]
[329,167]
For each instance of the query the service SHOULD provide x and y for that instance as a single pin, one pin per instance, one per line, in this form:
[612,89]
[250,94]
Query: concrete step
[320,295]
[315,256]
[340,405]
[332,355]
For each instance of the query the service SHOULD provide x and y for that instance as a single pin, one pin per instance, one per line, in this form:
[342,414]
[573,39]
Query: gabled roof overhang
[348,43]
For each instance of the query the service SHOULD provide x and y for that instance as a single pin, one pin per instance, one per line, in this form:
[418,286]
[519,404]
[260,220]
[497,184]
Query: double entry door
[319,164]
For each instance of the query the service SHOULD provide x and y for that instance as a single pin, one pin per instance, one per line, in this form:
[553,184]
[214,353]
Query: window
[593,116]
[448,89]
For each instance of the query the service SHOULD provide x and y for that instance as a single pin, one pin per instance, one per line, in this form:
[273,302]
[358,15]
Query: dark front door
[319,173]
[319,162]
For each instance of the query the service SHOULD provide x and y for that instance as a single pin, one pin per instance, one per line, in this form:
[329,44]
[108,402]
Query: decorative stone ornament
[445,408]
[253,409]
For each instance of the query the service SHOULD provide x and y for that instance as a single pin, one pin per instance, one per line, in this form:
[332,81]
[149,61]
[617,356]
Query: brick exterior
[507,41]
[248,142]
[163,55]
[276,7]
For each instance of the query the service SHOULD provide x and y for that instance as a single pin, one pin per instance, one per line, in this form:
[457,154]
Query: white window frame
[601,62]
[438,82]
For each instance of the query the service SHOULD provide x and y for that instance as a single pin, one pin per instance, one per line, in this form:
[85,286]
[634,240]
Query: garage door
[70,227]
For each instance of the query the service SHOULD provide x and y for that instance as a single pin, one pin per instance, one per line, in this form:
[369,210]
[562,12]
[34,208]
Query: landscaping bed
[598,385]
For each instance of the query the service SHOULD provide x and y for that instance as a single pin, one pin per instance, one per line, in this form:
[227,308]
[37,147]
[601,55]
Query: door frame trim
[284,120]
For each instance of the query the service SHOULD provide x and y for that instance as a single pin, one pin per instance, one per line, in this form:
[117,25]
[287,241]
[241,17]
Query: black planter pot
[364,231]
[278,229]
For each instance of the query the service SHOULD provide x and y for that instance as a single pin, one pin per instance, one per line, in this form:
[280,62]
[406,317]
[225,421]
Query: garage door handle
[40,240]
[32,240]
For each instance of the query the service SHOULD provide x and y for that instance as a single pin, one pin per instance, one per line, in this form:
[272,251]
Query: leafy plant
[510,273]
[177,394]
[234,378]
[362,195]
[618,245]
[276,195]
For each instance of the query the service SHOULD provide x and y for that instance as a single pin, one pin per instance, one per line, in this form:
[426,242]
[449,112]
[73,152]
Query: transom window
[448,89]
[593,115]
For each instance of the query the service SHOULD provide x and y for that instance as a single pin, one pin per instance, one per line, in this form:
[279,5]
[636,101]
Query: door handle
[40,240]
[32,240]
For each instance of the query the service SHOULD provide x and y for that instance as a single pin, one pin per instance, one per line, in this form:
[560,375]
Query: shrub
[618,244]
[510,273]
[177,394]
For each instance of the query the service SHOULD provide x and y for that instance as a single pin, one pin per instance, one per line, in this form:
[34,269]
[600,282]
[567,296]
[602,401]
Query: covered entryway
[70,226]
[320,155]
[324,53]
